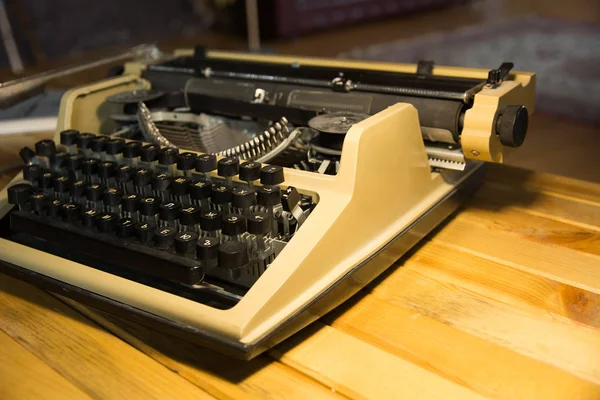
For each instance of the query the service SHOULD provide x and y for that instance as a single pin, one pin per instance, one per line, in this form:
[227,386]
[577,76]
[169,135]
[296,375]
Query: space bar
[109,248]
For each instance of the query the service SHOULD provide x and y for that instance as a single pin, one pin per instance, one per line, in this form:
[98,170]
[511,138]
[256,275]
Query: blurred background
[557,39]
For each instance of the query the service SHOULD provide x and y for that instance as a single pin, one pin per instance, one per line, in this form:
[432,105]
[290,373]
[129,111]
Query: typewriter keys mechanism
[232,199]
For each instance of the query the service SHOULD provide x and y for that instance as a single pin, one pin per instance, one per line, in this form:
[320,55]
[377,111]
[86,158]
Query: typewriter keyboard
[177,217]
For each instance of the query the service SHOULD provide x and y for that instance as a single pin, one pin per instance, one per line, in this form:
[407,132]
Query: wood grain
[24,376]
[96,362]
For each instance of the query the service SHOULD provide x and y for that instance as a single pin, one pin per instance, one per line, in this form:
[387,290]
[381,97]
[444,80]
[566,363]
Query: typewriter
[231,199]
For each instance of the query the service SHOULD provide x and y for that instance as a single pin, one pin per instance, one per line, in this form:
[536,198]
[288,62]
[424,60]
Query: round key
[132,149]
[161,182]
[83,140]
[71,212]
[27,154]
[144,231]
[124,228]
[149,152]
[45,148]
[32,172]
[259,224]
[88,217]
[164,237]
[167,156]
[186,161]
[61,184]
[200,190]
[185,242]
[77,188]
[112,197]
[39,201]
[47,180]
[131,202]
[233,224]
[268,196]
[206,248]
[271,175]
[142,177]
[19,194]
[69,137]
[107,169]
[190,215]
[228,166]
[55,207]
[206,163]
[243,197]
[89,166]
[211,220]
[73,162]
[58,158]
[94,192]
[124,173]
[149,205]
[180,186]
[114,146]
[220,194]
[250,171]
[169,211]
[97,143]
[107,222]
[232,254]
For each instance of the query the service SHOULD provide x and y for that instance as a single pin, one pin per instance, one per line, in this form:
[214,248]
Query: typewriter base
[337,293]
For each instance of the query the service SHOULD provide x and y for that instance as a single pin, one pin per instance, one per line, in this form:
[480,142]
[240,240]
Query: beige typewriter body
[383,200]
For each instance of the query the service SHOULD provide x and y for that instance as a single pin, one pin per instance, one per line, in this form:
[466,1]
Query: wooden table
[502,302]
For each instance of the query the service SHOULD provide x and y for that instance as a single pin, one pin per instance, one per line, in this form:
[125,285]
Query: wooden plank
[526,329]
[562,209]
[544,183]
[220,376]
[361,370]
[98,363]
[24,376]
[488,368]
[561,264]
[535,228]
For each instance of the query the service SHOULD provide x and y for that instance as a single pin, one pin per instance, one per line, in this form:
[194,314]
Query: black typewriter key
[19,194]
[124,174]
[27,155]
[55,208]
[290,198]
[33,173]
[132,150]
[168,212]
[164,237]
[211,222]
[250,172]
[107,170]
[88,217]
[45,148]
[73,162]
[97,144]
[94,192]
[77,189]
[272,175]
[89,168]
[39,201]
[233,225]
[69,138]
[144,231]
[149,152]
[71,212]
[185,242]
[112,197]
[232,255]
[228,167]
[200,192]
[259,224]
[142,179]
[186,162]
[206,163]
[190,216]
[124,228]
[168,157]
[83,140]
[243,198]
[161,183]
[57,160]
[113,147]
[149,206]
[207,251]
[107,222]
[221,196]
[61,185]
[130,205]
[47,180]
[268,196]
[180,186]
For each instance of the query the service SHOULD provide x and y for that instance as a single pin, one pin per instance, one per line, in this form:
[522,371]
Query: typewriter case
[383,200]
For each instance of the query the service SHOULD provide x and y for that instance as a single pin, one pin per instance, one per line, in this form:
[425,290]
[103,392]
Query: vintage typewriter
[232,199]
